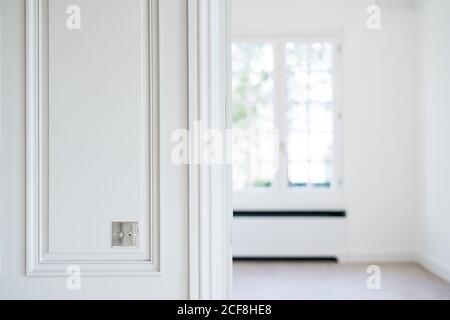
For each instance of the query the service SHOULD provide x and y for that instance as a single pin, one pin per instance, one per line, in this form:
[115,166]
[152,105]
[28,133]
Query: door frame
[210,191]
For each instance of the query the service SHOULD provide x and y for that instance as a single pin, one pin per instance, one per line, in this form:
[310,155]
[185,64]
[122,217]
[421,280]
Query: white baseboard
[436,266]
[380,257]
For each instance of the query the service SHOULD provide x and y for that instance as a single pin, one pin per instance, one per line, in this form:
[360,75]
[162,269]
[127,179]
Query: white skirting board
[315,237]
[289,237]
[435,266]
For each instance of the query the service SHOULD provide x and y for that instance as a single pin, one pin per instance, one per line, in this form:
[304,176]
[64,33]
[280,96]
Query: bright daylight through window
[287,86]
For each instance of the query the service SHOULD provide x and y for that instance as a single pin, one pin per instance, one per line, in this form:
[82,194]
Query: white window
[253,111]
[290,86]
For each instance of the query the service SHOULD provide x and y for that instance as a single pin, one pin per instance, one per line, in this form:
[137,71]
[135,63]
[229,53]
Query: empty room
[340,184]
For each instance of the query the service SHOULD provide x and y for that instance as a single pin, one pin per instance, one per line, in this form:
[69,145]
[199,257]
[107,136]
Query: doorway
[323,180]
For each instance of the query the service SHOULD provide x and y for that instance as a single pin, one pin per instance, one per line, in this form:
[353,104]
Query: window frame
[280,196]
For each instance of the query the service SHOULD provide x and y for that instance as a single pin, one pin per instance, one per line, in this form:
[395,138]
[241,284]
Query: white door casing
[210,191]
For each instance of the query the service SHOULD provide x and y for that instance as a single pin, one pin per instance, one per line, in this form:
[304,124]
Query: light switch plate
[125,234]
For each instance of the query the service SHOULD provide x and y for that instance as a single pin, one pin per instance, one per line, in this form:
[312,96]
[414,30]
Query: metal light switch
[125,234]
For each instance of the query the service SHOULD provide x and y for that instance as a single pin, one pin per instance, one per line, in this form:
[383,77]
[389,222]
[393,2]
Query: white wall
[435,222]
[15,224]
[380,112]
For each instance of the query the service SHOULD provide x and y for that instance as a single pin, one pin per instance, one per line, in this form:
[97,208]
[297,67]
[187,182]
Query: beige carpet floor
[305,280]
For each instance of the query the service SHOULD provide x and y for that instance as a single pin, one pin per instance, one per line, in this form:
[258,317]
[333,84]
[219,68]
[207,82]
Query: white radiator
[289,237]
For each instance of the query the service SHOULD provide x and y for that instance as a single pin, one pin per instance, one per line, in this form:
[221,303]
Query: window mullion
[279,117]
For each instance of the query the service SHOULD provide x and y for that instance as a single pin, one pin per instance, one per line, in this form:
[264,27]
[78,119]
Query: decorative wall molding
[39,260]
[209,185]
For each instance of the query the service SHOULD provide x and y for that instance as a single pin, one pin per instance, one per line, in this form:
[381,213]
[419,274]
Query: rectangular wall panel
[92,133]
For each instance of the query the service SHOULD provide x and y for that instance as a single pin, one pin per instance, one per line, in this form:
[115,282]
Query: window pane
[320,117]
[297,85]
[321,87]
[304,174]
[298,174]
[297,56]
[319,174]
[253,113]
[309,112]
[321,58]
[298,145]
[297,117]
[320,146]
